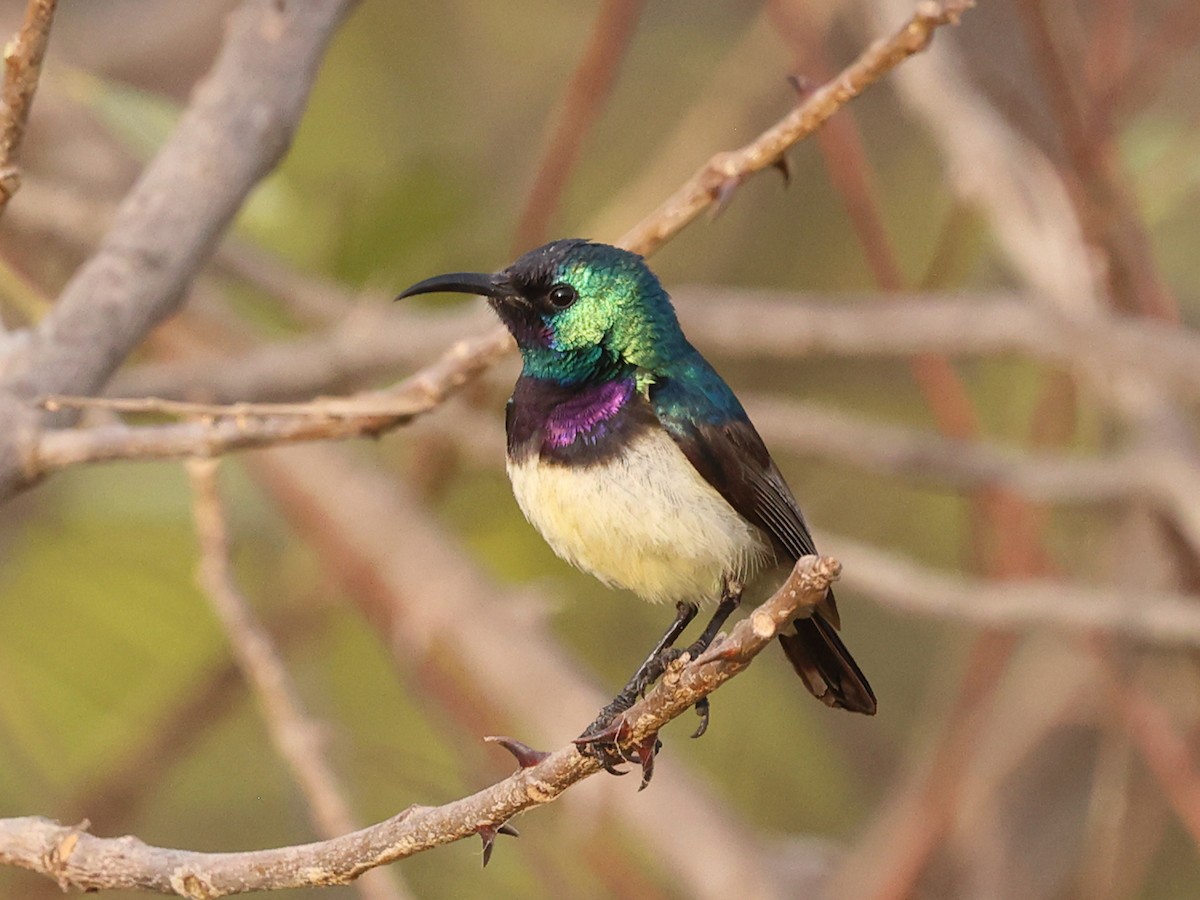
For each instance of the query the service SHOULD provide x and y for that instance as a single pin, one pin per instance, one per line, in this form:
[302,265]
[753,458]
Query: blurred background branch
[967,331]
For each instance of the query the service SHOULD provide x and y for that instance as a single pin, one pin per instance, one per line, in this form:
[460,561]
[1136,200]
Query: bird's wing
[709,425]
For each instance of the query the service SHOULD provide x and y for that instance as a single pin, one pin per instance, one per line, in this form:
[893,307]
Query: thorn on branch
[488,834]
[785,169]
[723,194]
[801,84]
[526,756]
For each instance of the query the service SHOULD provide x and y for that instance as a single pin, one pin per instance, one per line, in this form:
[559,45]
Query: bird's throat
[585,413]
[573,424]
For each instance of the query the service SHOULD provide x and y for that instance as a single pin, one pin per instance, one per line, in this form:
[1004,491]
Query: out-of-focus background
[1012,503]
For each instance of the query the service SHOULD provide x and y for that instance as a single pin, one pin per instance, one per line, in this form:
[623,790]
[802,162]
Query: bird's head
[577,309]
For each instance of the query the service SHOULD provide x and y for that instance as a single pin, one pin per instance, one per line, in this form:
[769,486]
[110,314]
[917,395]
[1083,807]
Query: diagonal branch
[714,181]
[76,859]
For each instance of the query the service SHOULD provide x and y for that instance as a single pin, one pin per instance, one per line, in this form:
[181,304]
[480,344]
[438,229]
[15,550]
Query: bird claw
[601,741]
[702,710]
[606,742]
[488,834]
[644,754]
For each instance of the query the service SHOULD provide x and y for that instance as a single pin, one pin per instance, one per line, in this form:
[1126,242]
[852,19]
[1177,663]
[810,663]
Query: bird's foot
[702,710]
[608,744]
[599,740]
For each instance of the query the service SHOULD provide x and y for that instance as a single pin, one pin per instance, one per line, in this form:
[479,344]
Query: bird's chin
[525,324]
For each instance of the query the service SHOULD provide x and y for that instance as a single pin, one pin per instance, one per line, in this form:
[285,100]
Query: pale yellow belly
[646,521]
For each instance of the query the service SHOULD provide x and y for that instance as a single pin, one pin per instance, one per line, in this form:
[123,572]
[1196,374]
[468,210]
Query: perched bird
[635,460]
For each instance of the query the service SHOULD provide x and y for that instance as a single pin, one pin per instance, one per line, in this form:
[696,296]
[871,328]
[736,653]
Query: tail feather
[826,666]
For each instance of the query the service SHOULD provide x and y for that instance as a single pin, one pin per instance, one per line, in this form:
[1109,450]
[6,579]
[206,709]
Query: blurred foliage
[421,141]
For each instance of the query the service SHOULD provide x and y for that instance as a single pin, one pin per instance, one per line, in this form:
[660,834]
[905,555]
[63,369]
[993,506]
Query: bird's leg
[600,737]
[647,672]
[731,598]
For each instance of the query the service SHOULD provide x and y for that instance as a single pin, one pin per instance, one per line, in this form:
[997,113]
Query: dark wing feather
[731,456]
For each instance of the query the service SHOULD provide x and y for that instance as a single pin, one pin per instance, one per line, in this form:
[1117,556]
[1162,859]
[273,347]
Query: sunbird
[636,461]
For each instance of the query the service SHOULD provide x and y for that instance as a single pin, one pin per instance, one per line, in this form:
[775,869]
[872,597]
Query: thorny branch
[76,859]
[712,184]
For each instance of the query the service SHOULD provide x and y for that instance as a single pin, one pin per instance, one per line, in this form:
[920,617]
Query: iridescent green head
[578,310]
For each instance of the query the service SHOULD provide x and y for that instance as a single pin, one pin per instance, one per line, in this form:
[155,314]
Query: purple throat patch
[584,415]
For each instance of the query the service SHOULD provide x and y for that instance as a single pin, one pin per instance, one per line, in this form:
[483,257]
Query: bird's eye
[561,296]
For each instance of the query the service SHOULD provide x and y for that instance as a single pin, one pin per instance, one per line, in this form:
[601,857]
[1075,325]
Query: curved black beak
[482,284]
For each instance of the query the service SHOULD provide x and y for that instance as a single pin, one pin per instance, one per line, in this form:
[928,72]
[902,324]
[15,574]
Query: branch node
[187,883]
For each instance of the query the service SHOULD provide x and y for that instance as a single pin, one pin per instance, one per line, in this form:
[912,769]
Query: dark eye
[561,296]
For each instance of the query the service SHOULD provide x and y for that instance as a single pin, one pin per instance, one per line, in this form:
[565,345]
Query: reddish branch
[582,102]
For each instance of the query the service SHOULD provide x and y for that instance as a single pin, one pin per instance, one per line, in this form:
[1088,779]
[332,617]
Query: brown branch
[716,178]
[582,102]
[22,67]
[76,859]
[239,124]
[1166,753]
[992,166]
[1105,204]
[294,734]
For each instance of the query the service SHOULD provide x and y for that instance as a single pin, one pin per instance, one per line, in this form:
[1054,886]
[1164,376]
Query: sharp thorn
[526,756]
[801,84]
[723,195]
[646,751]
[785,169]
[488,834]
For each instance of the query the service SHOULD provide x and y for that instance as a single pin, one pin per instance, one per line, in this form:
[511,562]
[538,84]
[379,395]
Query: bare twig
[22,67]
[76,859]
[714,180]
[295,735]
[257,425]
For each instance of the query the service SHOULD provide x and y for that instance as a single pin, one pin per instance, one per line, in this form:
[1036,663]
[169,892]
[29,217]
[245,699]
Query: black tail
[826,666]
